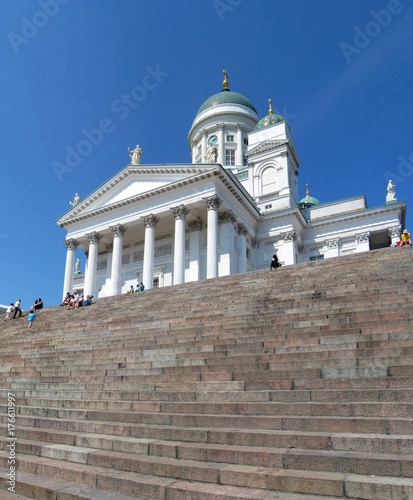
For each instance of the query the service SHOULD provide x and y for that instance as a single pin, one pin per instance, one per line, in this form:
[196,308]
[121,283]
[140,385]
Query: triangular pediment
[135,181]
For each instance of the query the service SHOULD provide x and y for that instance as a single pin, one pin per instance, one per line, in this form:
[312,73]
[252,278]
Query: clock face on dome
[213,139]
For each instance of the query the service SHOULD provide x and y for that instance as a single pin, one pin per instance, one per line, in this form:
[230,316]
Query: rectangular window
[267,207]
[230,138]
[246,141]
[316,257]
[156,282]
[230,157]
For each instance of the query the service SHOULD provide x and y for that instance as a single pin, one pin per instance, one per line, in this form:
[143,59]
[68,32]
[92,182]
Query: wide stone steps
[294,384]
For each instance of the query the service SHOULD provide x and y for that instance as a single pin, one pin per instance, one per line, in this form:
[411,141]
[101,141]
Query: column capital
[118,230]
[228,216]
[212,202]
[150,220]
[93,237]
[242,230]
[71,244]
[394,231]
[362,237]
[180,212]
[333,243]
[289,236]
[195,225]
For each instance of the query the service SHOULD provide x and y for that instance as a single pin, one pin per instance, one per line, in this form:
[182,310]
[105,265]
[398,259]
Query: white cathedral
[227,212]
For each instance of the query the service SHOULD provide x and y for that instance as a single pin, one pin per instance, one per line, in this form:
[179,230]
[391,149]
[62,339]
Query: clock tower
[219,132]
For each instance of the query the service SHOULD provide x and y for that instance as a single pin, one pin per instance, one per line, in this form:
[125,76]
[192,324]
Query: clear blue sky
[340,71]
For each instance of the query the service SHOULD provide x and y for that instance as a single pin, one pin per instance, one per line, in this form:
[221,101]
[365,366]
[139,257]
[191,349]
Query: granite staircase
[289,384]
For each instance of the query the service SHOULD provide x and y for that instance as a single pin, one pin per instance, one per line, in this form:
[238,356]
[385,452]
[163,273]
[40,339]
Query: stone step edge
[282,480]
[42,487]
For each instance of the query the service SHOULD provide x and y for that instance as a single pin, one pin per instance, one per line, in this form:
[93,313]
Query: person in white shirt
[9,312]
[17,309]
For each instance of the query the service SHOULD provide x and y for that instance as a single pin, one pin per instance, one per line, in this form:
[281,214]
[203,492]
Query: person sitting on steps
[275,262]
[405,238]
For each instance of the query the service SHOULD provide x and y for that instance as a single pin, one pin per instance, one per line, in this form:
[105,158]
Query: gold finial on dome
[307,191]
[225,83]
[270,112]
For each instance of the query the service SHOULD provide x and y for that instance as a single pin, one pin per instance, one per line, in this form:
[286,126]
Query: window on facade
[230,157]
[268,180]
[246,141]
[156,282]
[267,207]
[248,253]
[230,138]
[316,257]
[244,160]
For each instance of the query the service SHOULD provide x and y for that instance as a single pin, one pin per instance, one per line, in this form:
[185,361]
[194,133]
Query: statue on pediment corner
[135,155]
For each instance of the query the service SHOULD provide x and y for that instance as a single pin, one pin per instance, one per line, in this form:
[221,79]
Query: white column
[204,146]
[116,269]
[332,247]
[221,145]
[363,242]
[71,246]
[195,228]
[394,234]
[226,243]
[239,160]
[212,204]
[180,214]
[288,249]
[150,222]
[242,234]
[90,275]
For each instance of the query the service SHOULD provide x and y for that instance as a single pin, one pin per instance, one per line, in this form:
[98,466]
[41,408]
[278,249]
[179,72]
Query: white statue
[211,154]
[77,266]
[390,191]
[135,155]
[75,201]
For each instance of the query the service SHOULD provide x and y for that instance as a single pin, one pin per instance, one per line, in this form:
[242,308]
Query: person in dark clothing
[274,262]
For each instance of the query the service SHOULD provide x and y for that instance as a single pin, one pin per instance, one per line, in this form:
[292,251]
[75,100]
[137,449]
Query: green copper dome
[308,201]
[226,96]
[269,120]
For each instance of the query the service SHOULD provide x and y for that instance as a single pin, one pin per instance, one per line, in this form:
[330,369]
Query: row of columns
[212,204]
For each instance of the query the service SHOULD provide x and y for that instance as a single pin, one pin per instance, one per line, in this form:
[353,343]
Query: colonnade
[150,221]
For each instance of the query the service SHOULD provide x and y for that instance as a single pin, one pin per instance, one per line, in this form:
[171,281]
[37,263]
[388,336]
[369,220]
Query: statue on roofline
[390,191]
[75,201]
[135,155]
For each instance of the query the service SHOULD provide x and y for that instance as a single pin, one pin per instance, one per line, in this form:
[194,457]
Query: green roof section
[226,96]
[308,201]
[269,120]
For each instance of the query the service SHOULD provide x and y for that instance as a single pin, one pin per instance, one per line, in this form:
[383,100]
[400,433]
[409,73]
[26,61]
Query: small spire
[307,192]
[270,112]
[225,83]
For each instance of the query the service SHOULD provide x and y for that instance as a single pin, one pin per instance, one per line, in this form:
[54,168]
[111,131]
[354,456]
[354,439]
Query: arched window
[268,180]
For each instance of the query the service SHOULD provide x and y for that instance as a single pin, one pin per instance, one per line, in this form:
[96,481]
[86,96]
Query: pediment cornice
[191,173]
[265,146]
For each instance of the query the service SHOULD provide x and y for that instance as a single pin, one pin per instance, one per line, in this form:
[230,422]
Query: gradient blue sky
[340,71]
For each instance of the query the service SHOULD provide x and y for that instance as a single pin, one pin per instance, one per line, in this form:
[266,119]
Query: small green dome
[226,96]
[308,201]
[269,120]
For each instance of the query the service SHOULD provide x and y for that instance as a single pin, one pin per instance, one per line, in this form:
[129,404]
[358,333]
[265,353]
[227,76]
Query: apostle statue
[211,154]
[390,191]
[75,201]
[77,266]
[135,155]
